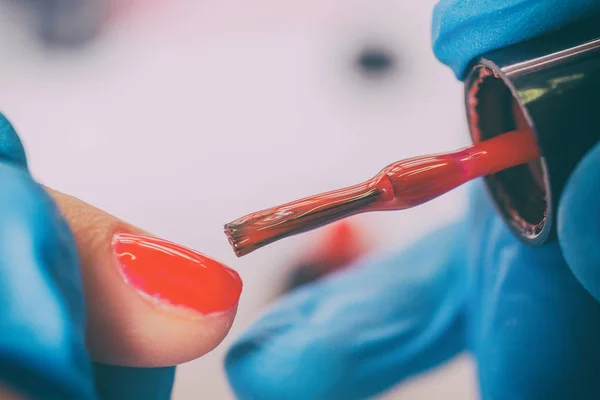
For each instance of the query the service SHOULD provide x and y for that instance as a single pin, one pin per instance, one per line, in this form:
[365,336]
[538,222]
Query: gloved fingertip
[579,222]
[282,357]
[11,147]
[357,333]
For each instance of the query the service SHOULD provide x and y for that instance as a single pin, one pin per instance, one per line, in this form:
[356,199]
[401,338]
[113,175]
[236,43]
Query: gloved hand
[43,343]
[523,312]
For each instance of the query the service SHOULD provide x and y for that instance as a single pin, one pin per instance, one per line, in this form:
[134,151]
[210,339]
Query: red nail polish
[175,274]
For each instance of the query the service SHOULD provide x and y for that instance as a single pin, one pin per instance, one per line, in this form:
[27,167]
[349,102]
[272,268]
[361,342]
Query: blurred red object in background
[337,248]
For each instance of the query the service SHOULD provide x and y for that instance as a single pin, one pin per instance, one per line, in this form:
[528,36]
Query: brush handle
[401,185]
[420,179]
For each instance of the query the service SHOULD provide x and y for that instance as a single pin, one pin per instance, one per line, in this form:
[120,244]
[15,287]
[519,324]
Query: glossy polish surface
[176,275]
[401,185]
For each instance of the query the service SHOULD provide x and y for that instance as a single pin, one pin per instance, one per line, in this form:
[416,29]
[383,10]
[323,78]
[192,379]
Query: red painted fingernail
[176,275]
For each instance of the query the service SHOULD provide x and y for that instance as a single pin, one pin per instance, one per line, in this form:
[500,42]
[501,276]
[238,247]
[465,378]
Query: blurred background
[181,115]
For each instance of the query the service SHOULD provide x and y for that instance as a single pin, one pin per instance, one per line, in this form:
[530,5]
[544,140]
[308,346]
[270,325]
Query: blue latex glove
[464,29]
[42,341]
[523,312]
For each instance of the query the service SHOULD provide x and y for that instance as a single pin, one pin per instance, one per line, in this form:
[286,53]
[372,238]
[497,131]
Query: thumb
[150,302]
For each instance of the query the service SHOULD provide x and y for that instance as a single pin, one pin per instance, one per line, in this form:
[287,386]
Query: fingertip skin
[11,147]
[42,319]
[579,222]
[465,29]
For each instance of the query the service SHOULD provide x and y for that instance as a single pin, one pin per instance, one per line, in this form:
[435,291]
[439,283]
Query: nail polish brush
[401,185]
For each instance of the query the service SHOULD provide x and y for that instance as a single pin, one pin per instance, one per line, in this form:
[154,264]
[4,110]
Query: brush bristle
[235,235]
[256,230]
